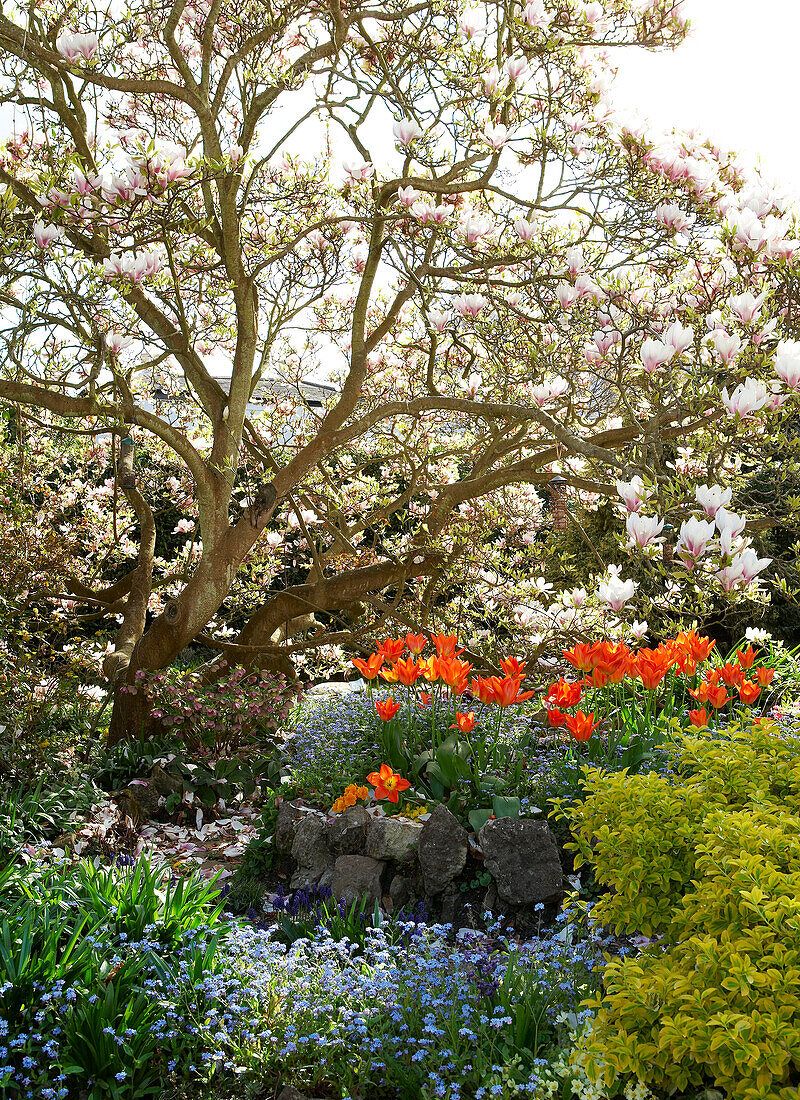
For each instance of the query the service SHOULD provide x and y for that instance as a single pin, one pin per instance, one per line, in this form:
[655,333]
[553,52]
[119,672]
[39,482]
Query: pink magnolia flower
[358,170]
[672,217]
[638,630]
[407,195]
[566,295]
[614,592]
[471,23]
[534,13]
[655,353]
[643,530]
[472,384]
[575,260]
[730,522]
[787,363]
[711,498]
[438,320]
[524,229]
[406,131]
[727,345]
[116,342]
[516,67]
[474,227]
[470,305]
[496,134]
[747,399]
[491,81]
[633,493]
[747,306]
[586,287]
[750,565]
[77,47]
[44,235]
[693,540]
[679,337]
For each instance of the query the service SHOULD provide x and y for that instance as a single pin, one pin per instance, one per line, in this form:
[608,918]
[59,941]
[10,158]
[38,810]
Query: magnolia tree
[436,208]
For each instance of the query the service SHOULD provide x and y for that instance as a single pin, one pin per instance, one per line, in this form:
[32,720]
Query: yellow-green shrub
[710,859]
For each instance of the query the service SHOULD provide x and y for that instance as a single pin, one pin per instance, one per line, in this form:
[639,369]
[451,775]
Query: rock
[165,783]
[449,905]
[522,857]
[399,892]
[442,850]
[356,878]
[310,852]
[394,838]
[289,814]
[141,800]
[347,833]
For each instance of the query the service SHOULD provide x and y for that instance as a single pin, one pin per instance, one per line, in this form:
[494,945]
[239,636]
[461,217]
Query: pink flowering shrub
[236,708]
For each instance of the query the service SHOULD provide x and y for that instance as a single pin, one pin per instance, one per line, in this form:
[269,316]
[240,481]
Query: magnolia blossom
[671,216]
[496,134]
[524,229]
[516,67]
[534,13]
[274,539]
[474,227]
[183,527]
[408,195]
[491,80]
[655,354]
[133,266]
[406,131]
[729,521]
[750,564]
[711,498]
[586,287]
[44,235]
[438,320]
[632,493]
[787,363]
[643,530]
[638,630]
[77,47]
[726,344]
[747,306]
[357,171]
[566,295]
[679,337]
[471,23]
[693,539]
[470,305]
[748,398]
[472,384]
[614,592]
[545,392]
[116,342]
[575,260]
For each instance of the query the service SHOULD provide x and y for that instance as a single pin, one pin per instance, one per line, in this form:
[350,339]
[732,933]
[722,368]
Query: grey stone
[165,783]
[310,852]
[347,833]
[399,892]
[356,878]
[289,814]
[394,838]
[522,857]
[443,845]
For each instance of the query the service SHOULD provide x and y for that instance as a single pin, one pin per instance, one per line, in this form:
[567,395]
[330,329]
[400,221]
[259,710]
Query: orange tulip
[425,699]
[717,695]
[651,666]
[749,692]
[464,722]
[731,675]
[483,689]
[698,718]
[506,691]
[387,709]
[391,648]
[454,671]
[415,643]
[370,668]
[581,656]
[563,693]
[431,669]
[512,667]
[389,674]
[387,784]
[446,645]
[693,645]
[764,675]
[556,718]
[581,725]
[745,657]
[408,672]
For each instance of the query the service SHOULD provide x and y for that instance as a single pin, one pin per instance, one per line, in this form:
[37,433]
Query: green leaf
[506,805]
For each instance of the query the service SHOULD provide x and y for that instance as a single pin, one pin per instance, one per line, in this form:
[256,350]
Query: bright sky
[734,79]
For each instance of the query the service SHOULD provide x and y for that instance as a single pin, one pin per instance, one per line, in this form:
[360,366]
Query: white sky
[734,79]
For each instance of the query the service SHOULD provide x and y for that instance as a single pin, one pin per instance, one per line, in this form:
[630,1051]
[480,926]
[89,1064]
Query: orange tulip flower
[749,692]
[408,672]
[732,675]
[745,657]
[464,722]
[389,674]
[415,643]
[370,668]
[506,691]
[693,645]
[563,693]
[391,648]
[698,718]
[651,666]
[446,644]
[454,671]
[581,656]
[425,699]
[431,669]
[765,675]
[581,725]
[387,709]
[387,784]
[512,667]
[717,695]
[483,689]
[556,718]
